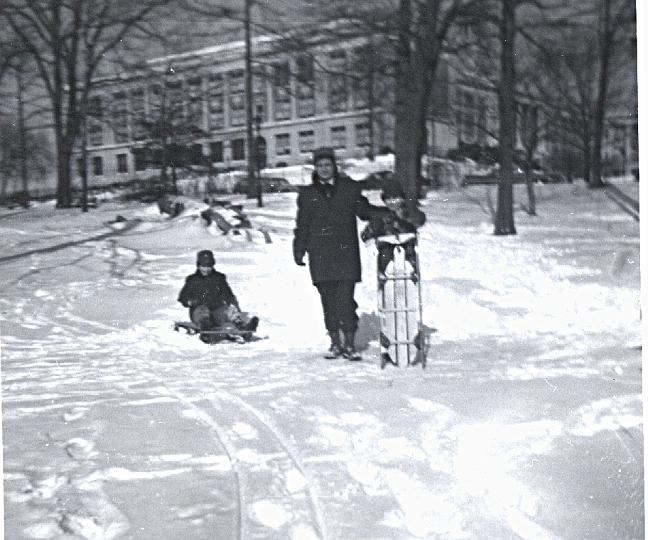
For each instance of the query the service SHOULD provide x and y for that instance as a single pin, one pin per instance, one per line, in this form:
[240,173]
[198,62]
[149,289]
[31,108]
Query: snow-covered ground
[527,422]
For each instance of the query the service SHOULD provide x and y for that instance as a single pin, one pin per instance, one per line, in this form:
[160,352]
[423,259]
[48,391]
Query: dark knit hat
[205,258]
[323,152]
[392,190]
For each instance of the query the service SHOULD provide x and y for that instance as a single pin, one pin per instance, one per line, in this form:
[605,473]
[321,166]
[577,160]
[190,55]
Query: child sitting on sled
[210,300]
[398,219]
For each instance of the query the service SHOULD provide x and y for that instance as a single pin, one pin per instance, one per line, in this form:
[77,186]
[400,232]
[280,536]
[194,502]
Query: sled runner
[399,301]
[215,335]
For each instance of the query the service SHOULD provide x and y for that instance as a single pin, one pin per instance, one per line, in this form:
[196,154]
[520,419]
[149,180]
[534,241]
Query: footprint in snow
[196,512]
[80,449]
[96,518]
[49,529]
[45,488]
[75,413]
[270,514]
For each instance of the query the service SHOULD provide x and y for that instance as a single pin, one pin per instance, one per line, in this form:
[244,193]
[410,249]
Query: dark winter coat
[387,223]
[327,229]
[211,290]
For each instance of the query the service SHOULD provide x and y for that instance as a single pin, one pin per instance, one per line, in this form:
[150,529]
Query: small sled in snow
[400,305]
[215,335]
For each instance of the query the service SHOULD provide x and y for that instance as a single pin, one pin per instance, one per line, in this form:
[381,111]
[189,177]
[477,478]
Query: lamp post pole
[257,156]
[253,182]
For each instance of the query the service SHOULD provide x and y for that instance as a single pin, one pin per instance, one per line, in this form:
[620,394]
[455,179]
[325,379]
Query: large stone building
[301,101]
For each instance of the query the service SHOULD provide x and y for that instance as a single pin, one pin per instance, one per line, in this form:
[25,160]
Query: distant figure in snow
[327,231]
[398,220]
[210,300]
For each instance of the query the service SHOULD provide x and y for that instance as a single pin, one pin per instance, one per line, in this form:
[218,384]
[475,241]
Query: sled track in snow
[245,525]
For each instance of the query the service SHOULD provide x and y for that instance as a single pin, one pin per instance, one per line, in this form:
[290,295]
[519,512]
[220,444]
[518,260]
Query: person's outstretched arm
[367,211]
[229,296]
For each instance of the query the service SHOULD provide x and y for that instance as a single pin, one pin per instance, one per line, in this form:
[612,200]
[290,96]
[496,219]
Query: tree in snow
[584,69]
[406,40]
[69,42]
[23,149]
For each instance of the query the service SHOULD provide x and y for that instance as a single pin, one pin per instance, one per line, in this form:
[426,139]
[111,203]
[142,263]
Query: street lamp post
[257,156]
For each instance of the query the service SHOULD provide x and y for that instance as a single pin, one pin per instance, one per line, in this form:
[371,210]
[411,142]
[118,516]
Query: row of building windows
[221,96]
[283,147]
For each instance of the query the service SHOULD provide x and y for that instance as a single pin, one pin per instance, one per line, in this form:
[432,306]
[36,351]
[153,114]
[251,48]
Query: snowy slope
[526,424]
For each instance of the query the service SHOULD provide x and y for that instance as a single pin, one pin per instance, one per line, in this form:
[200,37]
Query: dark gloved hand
[299,258]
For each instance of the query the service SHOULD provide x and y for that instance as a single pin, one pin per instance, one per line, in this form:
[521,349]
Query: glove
[298,255]
[234,314]
[364,235]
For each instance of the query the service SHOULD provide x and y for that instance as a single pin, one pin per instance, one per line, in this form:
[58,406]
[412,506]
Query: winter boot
[252,324]
[335,350]
[349,352]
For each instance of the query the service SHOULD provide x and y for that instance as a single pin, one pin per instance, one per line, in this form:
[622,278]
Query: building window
[95,121]
[305,86]
[238,149]
[362,134]
[120,117]
[139,114]
[122,163]
[467,117]
[282,144]
[155,101]
[338,137]
[175,99]
[216,151]
[482,119]
[306,141]
[362,78]
[196,154]
[97,166]
[440,100]
[260,95]
[139,157]
[528,123]
[338,90]
[281,91]
[195,104]
[216,101]
[236,86]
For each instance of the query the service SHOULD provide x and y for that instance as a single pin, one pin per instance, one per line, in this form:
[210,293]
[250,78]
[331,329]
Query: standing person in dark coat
[210,299]
[327,230]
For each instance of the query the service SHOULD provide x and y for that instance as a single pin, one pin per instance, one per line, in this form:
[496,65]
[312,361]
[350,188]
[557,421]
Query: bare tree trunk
[370,118]
[407,139]
[531,208]
[587,162]
[504,222]
[413,80]
[22,136]
[84,163]
[599,111]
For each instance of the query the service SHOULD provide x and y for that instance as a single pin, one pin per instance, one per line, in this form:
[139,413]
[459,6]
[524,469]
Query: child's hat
[392,190]
[205,258]
[323,152]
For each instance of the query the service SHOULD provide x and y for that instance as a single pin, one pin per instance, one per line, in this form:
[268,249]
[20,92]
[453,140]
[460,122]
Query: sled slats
[400,310]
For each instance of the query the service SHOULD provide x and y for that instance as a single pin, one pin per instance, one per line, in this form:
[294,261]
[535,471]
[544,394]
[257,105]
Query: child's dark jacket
[211,290]
[389,223]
